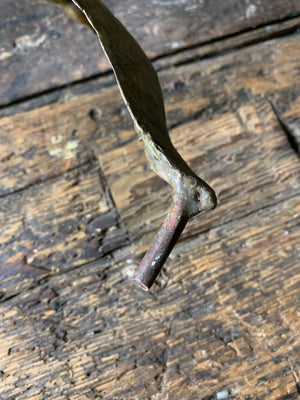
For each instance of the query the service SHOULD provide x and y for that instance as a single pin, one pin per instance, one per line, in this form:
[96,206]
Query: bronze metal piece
[141,91]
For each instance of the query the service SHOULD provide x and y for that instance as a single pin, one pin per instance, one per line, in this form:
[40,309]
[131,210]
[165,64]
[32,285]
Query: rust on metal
[141,92]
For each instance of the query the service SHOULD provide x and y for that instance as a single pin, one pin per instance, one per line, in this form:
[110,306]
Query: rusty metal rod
[162,245]
[187,202]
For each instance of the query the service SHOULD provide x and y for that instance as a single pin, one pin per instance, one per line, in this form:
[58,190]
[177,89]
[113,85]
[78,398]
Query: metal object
[141,91]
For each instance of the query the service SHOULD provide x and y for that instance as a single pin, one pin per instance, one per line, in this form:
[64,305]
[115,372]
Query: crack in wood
[262,36]
[51,177]
[161,378]
[289,132]
[156,60]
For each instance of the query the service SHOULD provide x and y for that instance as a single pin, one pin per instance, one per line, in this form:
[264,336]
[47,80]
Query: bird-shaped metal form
[141,92]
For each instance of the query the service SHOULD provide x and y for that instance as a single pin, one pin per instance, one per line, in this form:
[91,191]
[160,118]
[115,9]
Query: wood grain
[223,120]
[226,321]
[44,143]
[55,226]
[42,49]
[223,318]
[189,55]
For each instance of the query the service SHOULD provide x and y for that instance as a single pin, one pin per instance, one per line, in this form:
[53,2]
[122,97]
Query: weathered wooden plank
[55,226]
[223,318]
[42,49]
[241,141]
[211,49]
[245,139]
[286,107]
[225,322]
[230,43]
[44,143]
[253,295]
[225,126]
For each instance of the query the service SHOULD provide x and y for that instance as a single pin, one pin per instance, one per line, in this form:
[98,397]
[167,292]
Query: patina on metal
[141,91]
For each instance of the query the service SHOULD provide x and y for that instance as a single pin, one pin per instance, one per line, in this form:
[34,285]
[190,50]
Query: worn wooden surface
[79,206]
[43,49]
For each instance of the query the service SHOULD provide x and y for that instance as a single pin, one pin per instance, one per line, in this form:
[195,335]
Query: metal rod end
[140,284]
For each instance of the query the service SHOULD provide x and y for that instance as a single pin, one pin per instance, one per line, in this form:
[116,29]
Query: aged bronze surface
[141,91]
